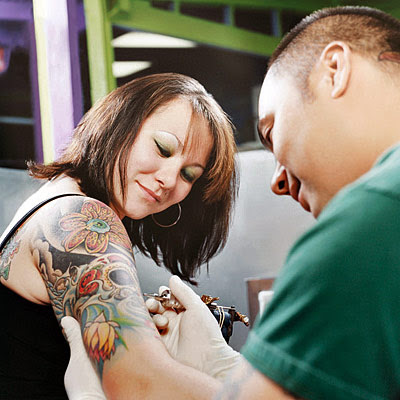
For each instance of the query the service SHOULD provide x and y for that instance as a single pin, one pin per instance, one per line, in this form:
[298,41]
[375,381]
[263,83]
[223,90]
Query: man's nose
[279,181]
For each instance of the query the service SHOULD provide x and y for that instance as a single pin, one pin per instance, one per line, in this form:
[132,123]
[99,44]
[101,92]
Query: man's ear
[336,61]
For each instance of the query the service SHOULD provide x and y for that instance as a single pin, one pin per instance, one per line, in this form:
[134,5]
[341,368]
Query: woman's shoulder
[75,223]
[33,220]
[57,223]
[38,228]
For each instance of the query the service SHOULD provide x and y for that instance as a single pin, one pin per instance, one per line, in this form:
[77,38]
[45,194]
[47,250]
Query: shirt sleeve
[332,330]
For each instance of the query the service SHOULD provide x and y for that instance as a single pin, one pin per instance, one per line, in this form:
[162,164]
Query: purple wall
[17,31]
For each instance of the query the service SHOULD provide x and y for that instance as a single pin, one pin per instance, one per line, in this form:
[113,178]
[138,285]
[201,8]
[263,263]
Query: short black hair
[366,30]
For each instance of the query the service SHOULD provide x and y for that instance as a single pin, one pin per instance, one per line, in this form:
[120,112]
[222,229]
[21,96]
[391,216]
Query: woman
[156,154]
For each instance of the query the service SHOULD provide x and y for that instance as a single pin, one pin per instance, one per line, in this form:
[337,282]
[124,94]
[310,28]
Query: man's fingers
[154,306]
[186,296]
[166,320]
[160,321]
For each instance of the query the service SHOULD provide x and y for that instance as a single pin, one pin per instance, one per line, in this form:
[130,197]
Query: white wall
[15,186]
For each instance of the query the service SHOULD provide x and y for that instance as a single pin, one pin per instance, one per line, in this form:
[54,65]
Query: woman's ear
[336,62]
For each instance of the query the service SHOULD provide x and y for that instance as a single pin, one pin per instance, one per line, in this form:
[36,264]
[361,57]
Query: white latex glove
[193,336]
[80,379]
[155,307]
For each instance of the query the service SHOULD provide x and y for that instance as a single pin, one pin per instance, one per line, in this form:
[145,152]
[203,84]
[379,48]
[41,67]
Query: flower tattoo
[87,284]
[99,337]
[96,225]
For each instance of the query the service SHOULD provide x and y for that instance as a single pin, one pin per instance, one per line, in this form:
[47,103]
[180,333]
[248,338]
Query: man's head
[329,102]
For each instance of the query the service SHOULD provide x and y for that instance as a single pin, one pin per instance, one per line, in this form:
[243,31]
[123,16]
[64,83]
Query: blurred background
[57,57]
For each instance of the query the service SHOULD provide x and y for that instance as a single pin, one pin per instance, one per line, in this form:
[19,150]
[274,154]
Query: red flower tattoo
[96,225]
[86,284]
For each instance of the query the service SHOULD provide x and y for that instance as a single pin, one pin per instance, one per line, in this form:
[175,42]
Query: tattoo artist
[329,111]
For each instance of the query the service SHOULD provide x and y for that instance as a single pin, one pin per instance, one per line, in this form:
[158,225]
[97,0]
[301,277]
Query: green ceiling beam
[390,6]
[100,51]
[305,6]
[141,15]
[295,5]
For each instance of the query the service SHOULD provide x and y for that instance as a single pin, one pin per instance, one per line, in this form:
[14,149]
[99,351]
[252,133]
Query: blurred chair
[259,293]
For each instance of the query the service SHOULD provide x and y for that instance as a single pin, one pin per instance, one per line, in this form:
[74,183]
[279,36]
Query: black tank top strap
[29,213]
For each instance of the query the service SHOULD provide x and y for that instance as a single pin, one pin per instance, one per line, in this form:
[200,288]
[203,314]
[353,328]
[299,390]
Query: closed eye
[163,150]
[188,176]
[264,129]
[267,140]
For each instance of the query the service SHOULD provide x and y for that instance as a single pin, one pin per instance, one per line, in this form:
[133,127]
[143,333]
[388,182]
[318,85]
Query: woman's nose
[279,181]
[168,175]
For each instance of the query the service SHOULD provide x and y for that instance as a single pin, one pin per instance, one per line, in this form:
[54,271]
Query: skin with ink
[7,255]
[96,226]
[101,292]
[232,386]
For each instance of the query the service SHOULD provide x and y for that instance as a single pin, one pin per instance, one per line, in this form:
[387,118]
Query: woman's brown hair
[102,141]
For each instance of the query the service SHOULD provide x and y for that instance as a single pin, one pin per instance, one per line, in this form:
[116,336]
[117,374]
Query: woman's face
[161,170]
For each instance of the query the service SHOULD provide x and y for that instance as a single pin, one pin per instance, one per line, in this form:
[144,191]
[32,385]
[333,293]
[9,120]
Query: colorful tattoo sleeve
[7,255]
[88,267]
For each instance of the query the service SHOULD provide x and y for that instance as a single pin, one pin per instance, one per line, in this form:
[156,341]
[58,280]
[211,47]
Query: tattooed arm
[84,256]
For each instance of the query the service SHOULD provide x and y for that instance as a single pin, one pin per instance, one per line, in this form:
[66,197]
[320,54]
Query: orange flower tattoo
[99,337]
[96,225]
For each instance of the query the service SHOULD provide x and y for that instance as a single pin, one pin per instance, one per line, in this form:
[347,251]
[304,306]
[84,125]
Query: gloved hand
[157,310]
[80,379]
[193,336]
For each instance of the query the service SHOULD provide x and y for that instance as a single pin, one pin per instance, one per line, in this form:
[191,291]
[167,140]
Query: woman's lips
[149,192]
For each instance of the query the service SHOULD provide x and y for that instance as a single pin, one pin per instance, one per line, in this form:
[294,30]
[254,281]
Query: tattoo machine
[225,316]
